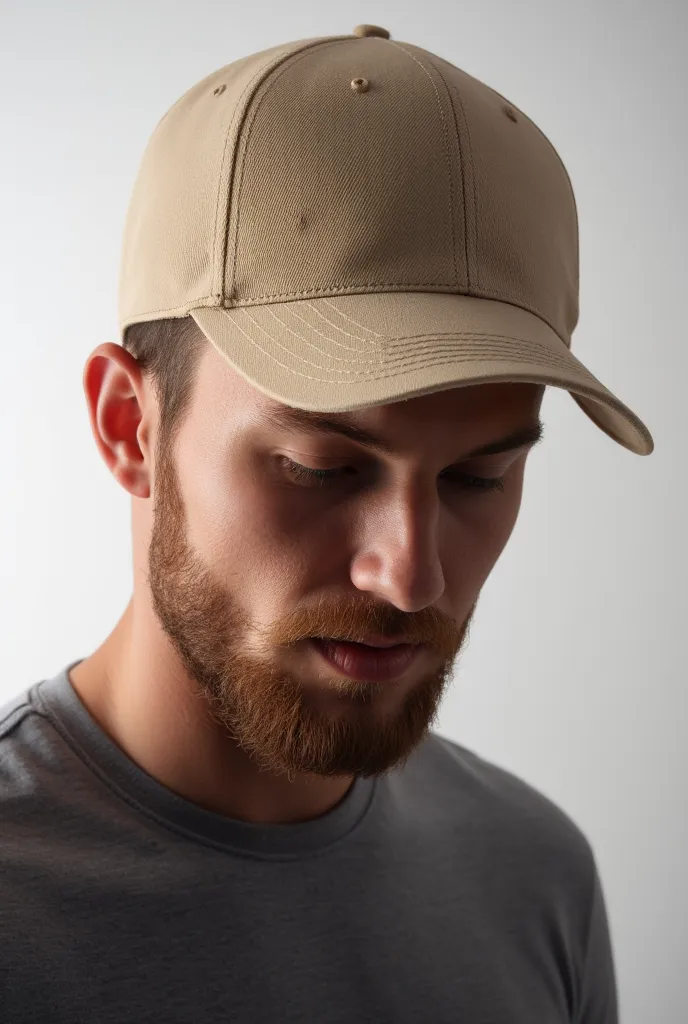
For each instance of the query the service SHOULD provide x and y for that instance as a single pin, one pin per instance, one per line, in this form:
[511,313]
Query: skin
[208,682]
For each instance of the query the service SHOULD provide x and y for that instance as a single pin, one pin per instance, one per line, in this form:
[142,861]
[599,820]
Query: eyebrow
[308,422]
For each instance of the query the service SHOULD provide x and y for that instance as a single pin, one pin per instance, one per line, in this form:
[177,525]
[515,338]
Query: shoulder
[16,718]
[31,747]
[469,794]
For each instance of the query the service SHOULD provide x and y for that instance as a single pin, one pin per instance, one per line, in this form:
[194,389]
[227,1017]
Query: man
[349,272]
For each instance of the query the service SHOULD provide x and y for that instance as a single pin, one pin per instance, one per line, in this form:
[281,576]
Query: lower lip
[374,663]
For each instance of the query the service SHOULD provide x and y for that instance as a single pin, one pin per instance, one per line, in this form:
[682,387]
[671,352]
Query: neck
[138,692]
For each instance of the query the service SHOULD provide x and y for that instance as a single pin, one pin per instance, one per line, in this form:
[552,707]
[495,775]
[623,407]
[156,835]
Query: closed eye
[305,476]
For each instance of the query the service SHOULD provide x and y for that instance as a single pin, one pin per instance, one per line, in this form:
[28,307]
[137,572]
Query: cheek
[219,513]
[474,539]
[490,537]
[306,542]
[501,525]
[249,531]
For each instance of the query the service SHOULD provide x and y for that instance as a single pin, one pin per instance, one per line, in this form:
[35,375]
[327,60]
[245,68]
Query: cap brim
[348,352]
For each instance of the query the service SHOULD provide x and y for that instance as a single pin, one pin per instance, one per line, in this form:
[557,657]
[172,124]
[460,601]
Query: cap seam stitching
[391,344]
[288,63]
[422,286]
[558,361]
[437,286]
[474,225]
[265,69]
[217,283]
[562,165]
[385,339]
[433,288]
[445,136]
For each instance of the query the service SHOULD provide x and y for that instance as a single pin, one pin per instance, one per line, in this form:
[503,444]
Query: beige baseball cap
[352,221]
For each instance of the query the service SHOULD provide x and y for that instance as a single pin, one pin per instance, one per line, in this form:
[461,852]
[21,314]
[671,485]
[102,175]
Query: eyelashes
[322,478]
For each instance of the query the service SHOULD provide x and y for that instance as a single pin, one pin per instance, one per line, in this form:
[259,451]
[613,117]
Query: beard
[276,718]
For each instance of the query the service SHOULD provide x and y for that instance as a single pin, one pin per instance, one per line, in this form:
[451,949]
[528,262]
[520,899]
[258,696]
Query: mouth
[373,640]
[371,661]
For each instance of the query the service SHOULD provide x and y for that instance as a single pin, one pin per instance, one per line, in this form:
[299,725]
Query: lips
[367,661]
[381,641]
[373,640]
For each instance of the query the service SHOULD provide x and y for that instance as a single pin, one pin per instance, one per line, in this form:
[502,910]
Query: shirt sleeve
[599,997]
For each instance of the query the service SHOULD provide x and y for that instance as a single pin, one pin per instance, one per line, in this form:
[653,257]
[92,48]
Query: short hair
[168,352]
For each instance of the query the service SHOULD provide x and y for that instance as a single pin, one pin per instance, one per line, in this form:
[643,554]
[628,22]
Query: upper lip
[379,641]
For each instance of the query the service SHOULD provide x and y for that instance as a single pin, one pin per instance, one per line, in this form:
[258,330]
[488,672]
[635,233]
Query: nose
[398,555]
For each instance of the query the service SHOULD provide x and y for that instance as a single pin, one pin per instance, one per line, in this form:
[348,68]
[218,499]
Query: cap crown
[275,179]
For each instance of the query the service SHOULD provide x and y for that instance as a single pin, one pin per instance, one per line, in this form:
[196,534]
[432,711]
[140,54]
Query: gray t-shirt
[447,891]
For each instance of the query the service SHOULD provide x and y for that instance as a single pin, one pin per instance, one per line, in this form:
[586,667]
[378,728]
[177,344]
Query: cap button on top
[371,30]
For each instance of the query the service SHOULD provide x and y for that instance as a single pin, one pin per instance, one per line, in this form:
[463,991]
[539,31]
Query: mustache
[353,618]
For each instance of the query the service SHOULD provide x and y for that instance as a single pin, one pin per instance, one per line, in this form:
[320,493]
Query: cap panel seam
[475,264]
[562,165]
[217,283]
[172,311]
[445,137]
[206,301]
[221,228]
[288,62]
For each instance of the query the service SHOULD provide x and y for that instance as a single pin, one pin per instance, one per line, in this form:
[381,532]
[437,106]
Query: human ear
[119,407]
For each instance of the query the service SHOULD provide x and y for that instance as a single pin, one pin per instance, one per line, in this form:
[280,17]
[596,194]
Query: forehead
[223,392]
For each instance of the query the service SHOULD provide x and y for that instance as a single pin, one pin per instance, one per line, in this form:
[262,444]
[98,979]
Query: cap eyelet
[360,84]
[220,89]
[509,111]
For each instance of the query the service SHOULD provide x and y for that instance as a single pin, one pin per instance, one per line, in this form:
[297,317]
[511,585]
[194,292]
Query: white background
[575,677]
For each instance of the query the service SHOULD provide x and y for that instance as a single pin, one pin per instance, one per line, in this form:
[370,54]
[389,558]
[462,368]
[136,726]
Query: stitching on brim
[498,350]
